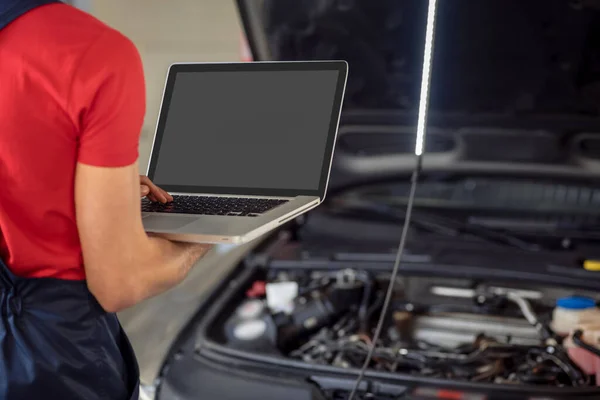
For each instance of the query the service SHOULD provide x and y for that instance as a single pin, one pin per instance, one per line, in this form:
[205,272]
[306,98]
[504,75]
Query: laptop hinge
[294,215]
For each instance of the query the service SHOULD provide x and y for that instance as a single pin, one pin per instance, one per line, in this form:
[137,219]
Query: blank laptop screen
[247,129]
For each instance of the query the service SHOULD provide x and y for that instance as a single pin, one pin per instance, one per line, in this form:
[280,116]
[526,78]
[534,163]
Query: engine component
[309,315]
[257,290]
[500,337]
[320,308]
[251,309]
[251,328]
[347,291]
[525,306]
[403,323]
[572,311]
[281,295]
[582,347]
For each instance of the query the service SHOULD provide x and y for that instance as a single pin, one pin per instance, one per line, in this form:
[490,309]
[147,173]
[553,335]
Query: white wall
[167,31]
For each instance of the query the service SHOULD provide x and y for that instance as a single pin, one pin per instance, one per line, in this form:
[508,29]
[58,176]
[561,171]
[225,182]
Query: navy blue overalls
[56,341]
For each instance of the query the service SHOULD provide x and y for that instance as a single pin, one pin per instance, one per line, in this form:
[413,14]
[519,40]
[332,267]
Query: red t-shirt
[71,90]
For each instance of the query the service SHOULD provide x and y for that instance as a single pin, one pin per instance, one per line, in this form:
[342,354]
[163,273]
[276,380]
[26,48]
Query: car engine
[484,334]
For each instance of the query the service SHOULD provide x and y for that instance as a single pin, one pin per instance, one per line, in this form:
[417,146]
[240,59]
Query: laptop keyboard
[210,205]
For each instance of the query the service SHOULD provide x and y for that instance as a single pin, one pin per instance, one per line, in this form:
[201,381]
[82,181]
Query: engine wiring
[349,337]
[484,360]
[467,338]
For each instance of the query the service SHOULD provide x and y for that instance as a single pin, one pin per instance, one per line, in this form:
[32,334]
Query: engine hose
[577,339]
[363,311]
[561,360]
[531,317]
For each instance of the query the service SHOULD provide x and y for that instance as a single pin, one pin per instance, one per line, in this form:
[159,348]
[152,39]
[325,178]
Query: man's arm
[106,103]
[123,264]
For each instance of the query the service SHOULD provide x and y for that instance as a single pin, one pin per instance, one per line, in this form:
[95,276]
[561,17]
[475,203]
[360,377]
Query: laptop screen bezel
[340,66]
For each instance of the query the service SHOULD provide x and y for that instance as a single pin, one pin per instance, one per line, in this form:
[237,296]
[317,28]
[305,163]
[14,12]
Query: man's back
[57,64]
[72,101]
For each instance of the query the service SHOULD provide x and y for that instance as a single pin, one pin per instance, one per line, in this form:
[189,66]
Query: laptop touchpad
[164,222]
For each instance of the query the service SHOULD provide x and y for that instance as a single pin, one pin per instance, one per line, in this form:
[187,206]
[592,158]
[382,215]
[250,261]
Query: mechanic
[73,250]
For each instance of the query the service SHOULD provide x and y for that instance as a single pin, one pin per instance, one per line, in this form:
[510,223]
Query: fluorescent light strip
[426,77]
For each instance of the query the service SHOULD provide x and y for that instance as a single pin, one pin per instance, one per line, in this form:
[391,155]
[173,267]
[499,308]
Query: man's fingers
[166,195]
[158,195]
[144,190]
[144,180]
[155,193]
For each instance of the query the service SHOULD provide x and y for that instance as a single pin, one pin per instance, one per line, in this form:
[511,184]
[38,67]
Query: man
[72,246]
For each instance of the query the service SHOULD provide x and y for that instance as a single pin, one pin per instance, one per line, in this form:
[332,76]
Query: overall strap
[6,276]
[13,9]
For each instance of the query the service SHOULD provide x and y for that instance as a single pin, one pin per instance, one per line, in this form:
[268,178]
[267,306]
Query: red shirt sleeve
[108,101]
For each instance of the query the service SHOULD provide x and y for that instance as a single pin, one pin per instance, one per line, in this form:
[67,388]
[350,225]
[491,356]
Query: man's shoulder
[78,52]
[67,28]
[82,45]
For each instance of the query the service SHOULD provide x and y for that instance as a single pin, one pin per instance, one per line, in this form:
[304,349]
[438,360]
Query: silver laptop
[243,147]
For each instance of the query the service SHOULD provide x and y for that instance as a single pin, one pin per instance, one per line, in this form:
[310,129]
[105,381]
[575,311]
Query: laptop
[243,147]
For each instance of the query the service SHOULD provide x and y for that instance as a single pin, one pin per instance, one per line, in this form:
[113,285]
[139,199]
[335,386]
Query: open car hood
[515,85]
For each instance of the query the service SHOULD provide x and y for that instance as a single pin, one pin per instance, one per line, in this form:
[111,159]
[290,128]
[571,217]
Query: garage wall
[168,31]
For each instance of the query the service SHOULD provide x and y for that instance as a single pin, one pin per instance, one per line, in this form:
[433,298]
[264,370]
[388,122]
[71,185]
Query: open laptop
[243,147]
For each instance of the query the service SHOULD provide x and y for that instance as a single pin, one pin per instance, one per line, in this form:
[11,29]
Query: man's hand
[153,192]
[123,264]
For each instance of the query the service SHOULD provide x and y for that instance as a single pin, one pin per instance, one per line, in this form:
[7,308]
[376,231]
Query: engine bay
[447,329]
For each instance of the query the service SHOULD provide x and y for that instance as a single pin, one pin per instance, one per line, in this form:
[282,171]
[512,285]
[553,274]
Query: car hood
[515,85]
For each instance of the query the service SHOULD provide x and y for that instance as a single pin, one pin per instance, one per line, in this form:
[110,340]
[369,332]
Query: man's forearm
[174,260]
[165,264]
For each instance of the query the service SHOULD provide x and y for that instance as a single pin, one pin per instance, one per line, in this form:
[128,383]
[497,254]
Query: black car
[499,282]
